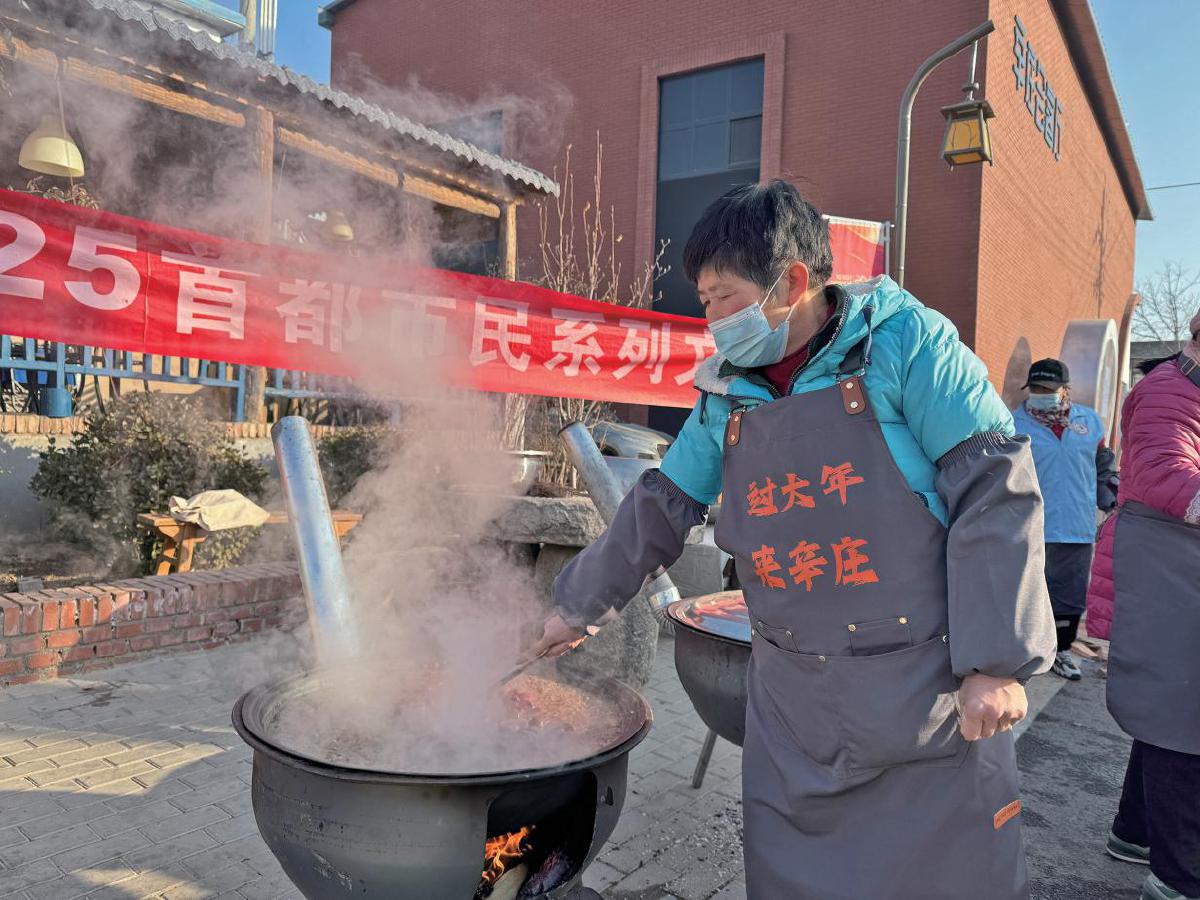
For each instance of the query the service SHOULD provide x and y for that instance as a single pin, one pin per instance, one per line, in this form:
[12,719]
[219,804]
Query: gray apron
[1153,668]
[856,782]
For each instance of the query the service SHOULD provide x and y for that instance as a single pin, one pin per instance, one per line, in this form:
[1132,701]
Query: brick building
[689,98]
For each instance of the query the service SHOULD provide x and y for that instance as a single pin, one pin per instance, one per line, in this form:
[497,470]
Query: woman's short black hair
[755,230]
[1147,366]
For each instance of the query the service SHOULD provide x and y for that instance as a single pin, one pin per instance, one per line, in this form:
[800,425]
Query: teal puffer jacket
[929,392]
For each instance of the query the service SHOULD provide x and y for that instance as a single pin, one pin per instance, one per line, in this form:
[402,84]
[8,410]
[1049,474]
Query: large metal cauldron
[352,832]
[712,653]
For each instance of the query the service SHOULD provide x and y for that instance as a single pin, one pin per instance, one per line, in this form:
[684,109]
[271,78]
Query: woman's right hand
[557,638]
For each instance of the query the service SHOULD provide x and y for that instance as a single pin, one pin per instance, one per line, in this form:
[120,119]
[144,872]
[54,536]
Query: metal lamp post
[905,131]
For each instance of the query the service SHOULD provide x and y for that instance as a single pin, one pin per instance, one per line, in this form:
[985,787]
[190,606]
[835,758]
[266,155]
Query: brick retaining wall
[27,423]
[59,632]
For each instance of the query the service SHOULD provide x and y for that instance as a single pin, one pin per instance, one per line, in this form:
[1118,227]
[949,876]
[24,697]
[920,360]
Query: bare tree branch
[579,255]
[1170,298]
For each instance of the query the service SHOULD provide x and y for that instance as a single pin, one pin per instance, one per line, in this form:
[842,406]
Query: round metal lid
[724,615]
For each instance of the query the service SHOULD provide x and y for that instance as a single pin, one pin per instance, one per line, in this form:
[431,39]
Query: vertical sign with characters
[1040,98]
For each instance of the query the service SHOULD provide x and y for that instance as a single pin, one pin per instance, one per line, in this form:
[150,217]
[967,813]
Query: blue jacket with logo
[1067,471]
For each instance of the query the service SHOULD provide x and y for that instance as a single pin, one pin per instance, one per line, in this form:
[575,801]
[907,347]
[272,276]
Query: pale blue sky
[1150,46]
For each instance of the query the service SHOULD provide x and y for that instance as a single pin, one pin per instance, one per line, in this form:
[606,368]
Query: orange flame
[500,851]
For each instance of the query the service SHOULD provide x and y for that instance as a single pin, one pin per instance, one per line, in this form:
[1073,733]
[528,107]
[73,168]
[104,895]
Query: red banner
[94,278]
[859,248]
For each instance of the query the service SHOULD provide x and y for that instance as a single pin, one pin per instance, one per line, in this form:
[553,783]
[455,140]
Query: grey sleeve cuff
[1001,623]
[648,531]
[972,447]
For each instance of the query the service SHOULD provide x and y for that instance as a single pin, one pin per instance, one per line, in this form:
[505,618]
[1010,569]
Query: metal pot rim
[318,767]
[674,611]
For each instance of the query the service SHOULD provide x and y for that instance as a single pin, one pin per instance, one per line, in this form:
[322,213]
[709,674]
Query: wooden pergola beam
[461,183]
[85,73]
[339,157]
[433,182]
[448,196]
[410,164]
[412,184]
[508,242]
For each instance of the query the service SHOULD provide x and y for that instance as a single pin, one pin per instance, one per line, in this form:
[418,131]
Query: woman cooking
[886,526]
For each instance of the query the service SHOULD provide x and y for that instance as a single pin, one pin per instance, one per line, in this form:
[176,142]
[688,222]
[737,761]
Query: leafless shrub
[578,254]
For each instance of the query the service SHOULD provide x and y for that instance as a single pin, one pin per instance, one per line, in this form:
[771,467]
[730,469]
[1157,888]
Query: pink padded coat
[1160,467]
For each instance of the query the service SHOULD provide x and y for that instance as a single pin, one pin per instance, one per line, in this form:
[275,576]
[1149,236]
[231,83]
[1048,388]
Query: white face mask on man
[747,339]
[1045,402]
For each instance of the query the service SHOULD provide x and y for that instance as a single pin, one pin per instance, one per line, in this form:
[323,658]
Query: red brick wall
[1045,222]
[846,63]
[1020,236]
[57,632]
[25,423]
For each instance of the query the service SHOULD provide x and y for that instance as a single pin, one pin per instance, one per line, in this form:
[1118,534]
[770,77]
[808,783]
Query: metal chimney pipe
[326,590]
[606,493]
[262,17]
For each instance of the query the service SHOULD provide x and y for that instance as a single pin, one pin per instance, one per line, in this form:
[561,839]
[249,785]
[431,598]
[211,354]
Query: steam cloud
[441,607]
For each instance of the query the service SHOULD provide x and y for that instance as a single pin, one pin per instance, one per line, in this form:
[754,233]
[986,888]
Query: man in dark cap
[1078,475]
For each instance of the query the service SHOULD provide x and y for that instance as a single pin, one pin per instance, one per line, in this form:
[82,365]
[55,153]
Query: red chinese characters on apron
[856,781]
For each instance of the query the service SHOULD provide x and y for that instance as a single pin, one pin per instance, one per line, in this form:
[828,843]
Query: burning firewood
[509,884]
[553,872]
[501,854]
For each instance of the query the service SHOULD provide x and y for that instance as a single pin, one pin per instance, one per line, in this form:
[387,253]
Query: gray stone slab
[144,814]
[185,822]
[566,521]
[145,884]
[158,856]
[100,854]
[624,649]
[39,872]
[57,821]
[71,886]
[18,855]
[700,570]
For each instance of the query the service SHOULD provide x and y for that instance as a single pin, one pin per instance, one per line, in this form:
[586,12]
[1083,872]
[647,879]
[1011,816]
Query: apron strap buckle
[852,396]
[733,431]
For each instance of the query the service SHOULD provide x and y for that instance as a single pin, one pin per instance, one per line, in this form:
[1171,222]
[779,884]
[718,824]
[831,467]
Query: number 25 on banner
[90,252]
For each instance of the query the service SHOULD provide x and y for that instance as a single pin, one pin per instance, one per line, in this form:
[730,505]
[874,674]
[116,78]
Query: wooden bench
[180,539]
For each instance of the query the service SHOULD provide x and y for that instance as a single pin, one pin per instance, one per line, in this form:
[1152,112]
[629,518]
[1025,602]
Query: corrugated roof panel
[156,22]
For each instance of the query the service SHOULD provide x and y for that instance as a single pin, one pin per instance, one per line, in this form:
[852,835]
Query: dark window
[710,121]
[745,141]
[466,242]
[709,140]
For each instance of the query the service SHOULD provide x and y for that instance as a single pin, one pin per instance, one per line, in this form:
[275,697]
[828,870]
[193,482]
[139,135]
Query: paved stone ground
[131,783]
[1072,763]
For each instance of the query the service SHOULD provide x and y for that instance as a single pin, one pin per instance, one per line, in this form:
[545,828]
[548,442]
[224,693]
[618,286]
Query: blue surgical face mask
[746,338]
[1044,402]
